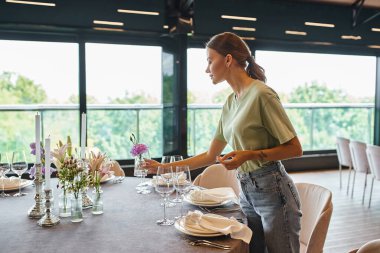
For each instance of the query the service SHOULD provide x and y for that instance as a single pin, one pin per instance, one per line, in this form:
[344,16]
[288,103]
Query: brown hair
[229,43]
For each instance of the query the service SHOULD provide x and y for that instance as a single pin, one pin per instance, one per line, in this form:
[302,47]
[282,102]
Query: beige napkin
[116,168]
[11,182]
[215,195]
[213,223]
[107,176]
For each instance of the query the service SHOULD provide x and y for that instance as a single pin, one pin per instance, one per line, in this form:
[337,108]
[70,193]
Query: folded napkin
[11,182]
[213,223]
[215,195]
[107,176]
[118,171]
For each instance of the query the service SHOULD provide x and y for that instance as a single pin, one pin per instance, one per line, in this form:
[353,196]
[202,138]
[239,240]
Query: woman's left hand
[234,159]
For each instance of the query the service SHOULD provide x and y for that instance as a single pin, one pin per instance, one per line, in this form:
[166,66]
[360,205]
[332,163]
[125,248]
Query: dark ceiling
[202,18]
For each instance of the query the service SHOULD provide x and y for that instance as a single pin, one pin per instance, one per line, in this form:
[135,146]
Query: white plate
[24,183]
[107,179]
[178,226]
[208,204]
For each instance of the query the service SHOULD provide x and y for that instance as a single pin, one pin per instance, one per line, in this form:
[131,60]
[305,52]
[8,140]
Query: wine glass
[182,183]
[167,159]
[165,187]
[19,166]
[4,169]
[175,158]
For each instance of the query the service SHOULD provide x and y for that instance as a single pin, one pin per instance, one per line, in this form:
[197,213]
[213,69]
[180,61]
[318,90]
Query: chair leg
[365,186]
[349,177]
[340,176]
[370,194]
[353,185]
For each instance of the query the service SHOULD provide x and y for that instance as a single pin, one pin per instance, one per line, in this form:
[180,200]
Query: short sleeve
[219,130]
[276,121]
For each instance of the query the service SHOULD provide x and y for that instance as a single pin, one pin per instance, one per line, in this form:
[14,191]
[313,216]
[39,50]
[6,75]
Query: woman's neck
[239,82]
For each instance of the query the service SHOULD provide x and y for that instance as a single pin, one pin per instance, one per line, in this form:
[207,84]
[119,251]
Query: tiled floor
[352,224]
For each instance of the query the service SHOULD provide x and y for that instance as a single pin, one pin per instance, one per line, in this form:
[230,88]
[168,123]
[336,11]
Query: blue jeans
[271,203]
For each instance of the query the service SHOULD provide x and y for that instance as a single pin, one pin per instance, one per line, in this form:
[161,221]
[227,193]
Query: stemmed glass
[175,158]
[165,187]
[4,169]
[167,159]
[182,183]
[19,166]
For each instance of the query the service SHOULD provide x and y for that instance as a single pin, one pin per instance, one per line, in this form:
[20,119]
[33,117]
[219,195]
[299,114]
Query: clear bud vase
[76,208]
[64,204]
[97,207]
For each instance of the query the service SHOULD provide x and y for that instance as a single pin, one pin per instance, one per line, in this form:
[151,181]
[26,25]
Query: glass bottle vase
[76,208]
[97,207]
[64,204]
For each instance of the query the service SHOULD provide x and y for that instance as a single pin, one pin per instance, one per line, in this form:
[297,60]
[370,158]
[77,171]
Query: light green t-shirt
[254,121]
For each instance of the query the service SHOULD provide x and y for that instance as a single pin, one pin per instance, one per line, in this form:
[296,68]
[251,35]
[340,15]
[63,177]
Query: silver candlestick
[38,210]
[49,219]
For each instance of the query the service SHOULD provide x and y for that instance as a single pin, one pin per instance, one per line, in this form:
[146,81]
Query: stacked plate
[12,184]
[194,230]
[209,203]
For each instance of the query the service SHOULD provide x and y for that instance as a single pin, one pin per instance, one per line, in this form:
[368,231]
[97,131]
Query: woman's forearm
[284,151]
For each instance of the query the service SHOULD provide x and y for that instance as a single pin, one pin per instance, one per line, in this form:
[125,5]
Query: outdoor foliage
[109,130]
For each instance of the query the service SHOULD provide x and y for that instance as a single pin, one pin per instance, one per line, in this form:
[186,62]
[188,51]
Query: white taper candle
[38,137]
[47,162]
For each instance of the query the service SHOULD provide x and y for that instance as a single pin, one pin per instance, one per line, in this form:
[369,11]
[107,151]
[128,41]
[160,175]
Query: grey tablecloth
[127,225]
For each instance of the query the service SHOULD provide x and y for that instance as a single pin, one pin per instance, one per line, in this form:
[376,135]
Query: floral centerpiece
[97,169]
[139,151]
[72,175]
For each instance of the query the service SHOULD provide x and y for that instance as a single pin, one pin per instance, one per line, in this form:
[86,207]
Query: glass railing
[317,125]
[110,125]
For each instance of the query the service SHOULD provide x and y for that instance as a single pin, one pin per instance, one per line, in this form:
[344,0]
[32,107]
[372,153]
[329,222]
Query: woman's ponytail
[254,70]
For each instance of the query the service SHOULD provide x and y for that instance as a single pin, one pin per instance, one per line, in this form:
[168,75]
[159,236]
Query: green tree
[317,127]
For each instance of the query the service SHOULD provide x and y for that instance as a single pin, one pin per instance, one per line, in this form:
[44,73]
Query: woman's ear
[228,60]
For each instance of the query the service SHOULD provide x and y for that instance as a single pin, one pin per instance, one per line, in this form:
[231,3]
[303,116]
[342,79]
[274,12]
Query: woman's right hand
[151,165]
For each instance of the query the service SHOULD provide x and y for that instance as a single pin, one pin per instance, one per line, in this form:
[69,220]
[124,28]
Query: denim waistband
[267,169]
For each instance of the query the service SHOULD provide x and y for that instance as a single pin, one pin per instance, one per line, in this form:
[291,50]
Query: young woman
[255,125]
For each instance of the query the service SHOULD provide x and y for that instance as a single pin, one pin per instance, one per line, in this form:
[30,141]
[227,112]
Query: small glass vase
[76,208]
[97,207]
[64,204]
[86,200]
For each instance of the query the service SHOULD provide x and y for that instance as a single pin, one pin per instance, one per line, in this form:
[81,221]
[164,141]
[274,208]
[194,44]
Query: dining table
[128,224]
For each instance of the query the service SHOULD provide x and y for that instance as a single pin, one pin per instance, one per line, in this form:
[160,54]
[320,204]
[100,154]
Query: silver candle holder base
[49,219]
[38,210]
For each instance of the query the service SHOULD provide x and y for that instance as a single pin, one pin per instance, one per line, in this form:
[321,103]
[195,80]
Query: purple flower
[139,149]
[32,171]
[32,145]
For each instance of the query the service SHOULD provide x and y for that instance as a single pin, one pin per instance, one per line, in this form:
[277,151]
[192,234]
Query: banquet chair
[369,247]
[359,162]
[217,175]
[316,207]
[373,155]
[344,158]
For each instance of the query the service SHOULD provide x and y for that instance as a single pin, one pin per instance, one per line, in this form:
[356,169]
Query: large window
[325,95]
[204,100]
[124,86]
[37,77]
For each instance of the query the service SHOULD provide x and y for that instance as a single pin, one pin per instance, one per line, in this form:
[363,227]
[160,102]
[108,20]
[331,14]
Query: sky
[114,69]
